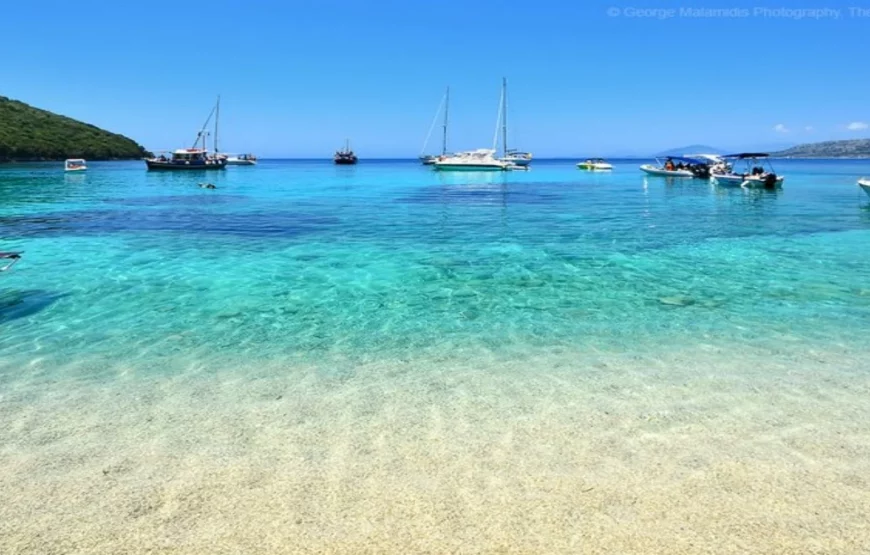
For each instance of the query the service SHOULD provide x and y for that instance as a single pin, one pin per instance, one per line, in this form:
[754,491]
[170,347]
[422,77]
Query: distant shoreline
[38,160]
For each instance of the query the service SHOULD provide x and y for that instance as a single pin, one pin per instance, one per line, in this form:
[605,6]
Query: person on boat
[669,165]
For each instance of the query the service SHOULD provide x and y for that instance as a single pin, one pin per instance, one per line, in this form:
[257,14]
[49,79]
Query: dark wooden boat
[346,156]
[187,159]
[197,157]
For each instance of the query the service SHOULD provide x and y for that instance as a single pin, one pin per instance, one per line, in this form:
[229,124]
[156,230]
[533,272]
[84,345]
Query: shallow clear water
[305,260]
[314,359]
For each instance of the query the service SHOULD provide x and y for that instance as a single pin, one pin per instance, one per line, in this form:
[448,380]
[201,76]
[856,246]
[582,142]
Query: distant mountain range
[692,149]
[852,148]
[28,133]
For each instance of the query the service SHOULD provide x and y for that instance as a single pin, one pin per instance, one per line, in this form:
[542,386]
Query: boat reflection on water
[472,178]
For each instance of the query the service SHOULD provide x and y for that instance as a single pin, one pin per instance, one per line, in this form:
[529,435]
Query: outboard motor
[701,170]
[770,181]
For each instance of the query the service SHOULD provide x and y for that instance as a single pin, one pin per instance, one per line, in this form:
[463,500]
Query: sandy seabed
[700,451]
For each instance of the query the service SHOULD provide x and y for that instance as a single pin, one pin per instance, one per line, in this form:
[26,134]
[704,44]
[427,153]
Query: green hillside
[852,148]
[28,133]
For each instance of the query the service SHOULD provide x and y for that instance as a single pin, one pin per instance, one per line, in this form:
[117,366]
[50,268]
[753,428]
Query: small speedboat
[864,183]
[678,166]
[482,159]
[241,160]
[75,165]
[755,175]
[594,164]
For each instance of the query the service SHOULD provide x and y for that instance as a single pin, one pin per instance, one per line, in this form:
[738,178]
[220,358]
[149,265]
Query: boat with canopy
[755,175]
[678,166]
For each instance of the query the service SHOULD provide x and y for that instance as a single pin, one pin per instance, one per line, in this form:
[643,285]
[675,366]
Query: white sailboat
[429,159]
[510,155]
[482,159]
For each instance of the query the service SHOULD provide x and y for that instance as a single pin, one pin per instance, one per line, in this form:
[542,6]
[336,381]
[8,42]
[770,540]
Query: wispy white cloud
[857,126]
[781,128]
[809,128]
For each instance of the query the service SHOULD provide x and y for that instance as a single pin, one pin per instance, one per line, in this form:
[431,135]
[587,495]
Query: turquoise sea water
[306,261]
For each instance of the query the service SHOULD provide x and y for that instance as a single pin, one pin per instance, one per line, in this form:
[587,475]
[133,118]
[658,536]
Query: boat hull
[159,165]
[345,161]
[865,185]
[594,167]
[751,181]
[659,172]
[517,161]
[241,163]
[469,168]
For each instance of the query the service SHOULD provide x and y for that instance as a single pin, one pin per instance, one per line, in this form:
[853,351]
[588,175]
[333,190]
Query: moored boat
[678,166]
[346,156]
[864,184]
[187,159]
[241,160]
[75,165]
[482,159]
[196,157]
[755,174]
[595,164]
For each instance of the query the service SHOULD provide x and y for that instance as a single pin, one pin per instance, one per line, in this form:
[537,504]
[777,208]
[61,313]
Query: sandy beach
[552,453]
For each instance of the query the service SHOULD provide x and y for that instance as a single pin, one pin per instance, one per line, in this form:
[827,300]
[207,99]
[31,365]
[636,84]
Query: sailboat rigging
[510,155]
[429,159]
[196,157]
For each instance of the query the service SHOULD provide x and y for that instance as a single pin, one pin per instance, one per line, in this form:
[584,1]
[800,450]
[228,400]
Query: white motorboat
[717,163]
[429,159]
[241,160]
[482,159]
[75,165]
[595,164]
[754,176]
[864,183]
[673,166]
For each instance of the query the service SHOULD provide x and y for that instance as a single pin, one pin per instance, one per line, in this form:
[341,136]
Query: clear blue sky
[297,77]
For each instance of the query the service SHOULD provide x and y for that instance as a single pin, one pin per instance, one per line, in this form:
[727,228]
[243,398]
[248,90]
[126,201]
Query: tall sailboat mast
[504,115]
[446,110]
[498,121]
[217,116]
